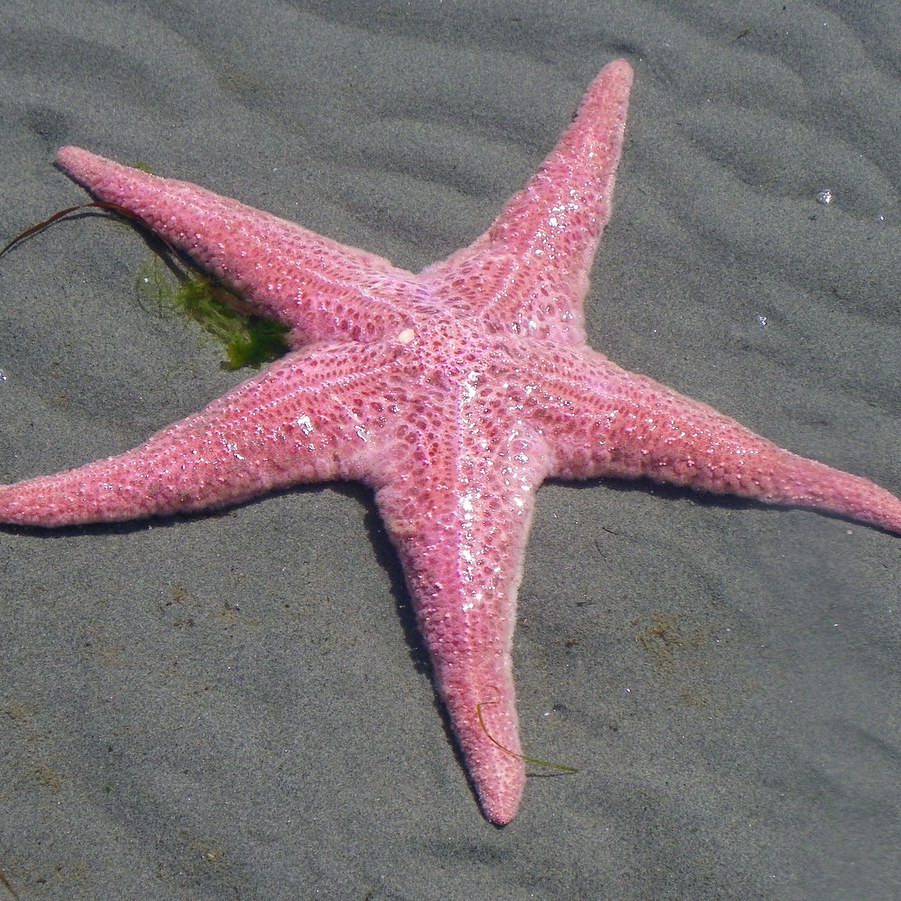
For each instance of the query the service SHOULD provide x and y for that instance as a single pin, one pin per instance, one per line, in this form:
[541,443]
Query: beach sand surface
[236,706]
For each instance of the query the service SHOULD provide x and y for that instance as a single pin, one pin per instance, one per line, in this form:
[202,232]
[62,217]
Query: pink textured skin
[453,393]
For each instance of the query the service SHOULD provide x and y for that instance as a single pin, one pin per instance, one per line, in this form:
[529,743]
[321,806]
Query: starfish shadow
[664,492]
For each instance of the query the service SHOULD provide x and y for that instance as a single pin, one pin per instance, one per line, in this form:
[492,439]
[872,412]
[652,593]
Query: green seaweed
[249,340]
[537,761]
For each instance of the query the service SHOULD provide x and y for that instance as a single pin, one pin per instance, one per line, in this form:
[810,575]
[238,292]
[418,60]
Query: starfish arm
[530,269]
[460,521]
[604,421]
[295,423]
[321,289]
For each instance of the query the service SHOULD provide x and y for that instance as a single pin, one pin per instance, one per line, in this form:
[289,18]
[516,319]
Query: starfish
[453,393]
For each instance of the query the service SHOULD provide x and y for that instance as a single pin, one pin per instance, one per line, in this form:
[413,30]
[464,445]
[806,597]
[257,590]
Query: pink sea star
[452,393]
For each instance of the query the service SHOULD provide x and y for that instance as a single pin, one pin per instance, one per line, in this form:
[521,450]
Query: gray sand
[235,706]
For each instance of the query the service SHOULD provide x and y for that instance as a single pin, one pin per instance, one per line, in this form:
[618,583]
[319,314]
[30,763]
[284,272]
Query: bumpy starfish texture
[452,393]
